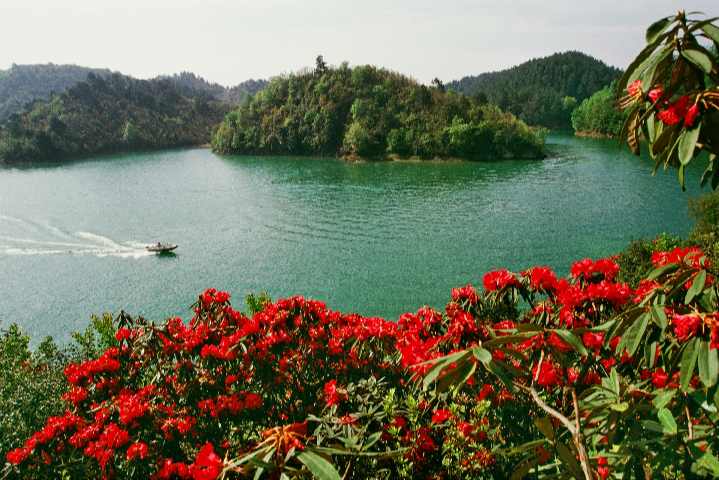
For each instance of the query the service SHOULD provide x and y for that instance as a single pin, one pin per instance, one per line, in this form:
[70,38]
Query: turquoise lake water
[378,239]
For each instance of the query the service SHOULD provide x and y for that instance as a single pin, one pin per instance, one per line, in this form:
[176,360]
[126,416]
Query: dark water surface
[378,239]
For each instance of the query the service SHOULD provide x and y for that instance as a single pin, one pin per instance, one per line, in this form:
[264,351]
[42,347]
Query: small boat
[161,247]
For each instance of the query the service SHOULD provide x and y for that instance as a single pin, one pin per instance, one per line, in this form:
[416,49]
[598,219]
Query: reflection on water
[374,238]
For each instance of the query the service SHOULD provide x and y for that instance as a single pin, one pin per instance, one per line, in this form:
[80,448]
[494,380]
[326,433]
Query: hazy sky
[230,41]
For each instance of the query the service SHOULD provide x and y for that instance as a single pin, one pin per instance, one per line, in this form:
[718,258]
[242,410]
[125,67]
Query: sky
[231,41]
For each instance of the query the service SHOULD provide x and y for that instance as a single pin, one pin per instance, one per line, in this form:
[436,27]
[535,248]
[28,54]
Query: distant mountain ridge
[25,83]
[113,114]
[543,91]
[232,95]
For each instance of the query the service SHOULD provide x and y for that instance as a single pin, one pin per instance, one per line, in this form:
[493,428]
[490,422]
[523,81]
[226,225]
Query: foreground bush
[590,379]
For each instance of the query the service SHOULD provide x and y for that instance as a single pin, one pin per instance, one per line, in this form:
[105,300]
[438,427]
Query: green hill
[233,95]
[542,91]
[109,115]
[24,83]
[370,112]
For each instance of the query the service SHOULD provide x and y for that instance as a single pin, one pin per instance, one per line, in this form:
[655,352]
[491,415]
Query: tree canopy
[371,112]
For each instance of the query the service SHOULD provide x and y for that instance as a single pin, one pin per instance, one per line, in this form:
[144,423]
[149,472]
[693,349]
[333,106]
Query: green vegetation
[599,115]
[102,116]
[542,91]
[31,382]
[232,95]
[371,113]
[25,83]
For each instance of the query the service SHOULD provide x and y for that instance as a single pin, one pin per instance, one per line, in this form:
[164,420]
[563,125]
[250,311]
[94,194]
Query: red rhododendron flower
[685,326]
[123,334]
[465,293]
[497,279]
[441,416]
[333,394]
[137,450]
[253,401]
[655,94]
[675,112]
[603,471]
[691,116]
[544,278]
[209,461]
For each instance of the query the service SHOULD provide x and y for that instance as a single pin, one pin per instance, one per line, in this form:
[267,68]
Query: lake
[378,239]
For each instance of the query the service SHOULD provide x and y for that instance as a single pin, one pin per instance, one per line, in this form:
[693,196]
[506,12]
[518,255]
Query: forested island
[542,91]
[110,115]
[371,113]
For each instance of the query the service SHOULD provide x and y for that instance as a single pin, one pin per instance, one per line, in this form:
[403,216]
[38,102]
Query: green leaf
[482,355]
[545,426]
[635,334]
[667,421]
[698,58]
[659,315]
[708,363]
[523,470]
[689,361]
[666,269]
[570,339]
[663,398]
[687,144]
[567,458]
[497,370]
[464,375]
[637,67]
[697,286]
[711,31]
[372,439]
[318,466]
[656,29]
[704,460]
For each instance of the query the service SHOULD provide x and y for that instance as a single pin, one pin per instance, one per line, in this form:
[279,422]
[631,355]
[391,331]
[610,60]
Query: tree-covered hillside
[542,91]
[24,83]
[371,113]
[233,95]
[116,114]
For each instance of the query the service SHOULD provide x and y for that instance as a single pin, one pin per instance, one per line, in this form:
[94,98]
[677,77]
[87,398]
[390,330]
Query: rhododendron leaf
[697,286]
[261,464]
[570,339]
[464,375]
[689,361]
[497,370]
[659,315]
[620,407]
[505,339]
[661,141]
[628,124]
[371,440]
[704,461]
[545,426]
[441,363]
[318,466]
[663,398]
[567,458]
[656,29]
[643,60]
[699,58]
[708,364]
[701,400]
[710,31]
[635,334]
[529,327]
[482,355]
[449,378]
[687,144]
[667,420]
[526,465]
[650,353]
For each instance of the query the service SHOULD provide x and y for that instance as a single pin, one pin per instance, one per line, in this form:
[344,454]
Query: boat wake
[24,237]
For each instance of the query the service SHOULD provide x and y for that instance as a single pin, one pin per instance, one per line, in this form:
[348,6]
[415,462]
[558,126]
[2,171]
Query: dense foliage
[542,91]
[232,95]
[586,378]
[671,94]
[371,113]
[599,115]
[24,83]
[109,115]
